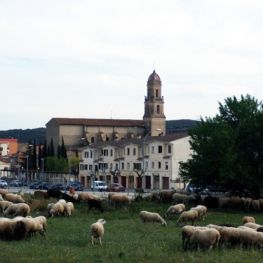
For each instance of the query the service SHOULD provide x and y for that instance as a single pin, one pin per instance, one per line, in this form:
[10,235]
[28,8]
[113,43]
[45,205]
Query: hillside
[176,126]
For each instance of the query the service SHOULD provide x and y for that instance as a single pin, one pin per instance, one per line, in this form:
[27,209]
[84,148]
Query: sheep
[42,220]
[69,208]
[206,238]
[20,209]
[118,199]
[55,209]
[97,231]
[15,198]
[97,204]
[255,204]
[152,217]
[250,237]
[247,203]
[229,235]
[40,194]
[185,199]
[174,210]
[85,196]
[248,219]
[202,210]
[166,195]
[3,205]
[10,229]
[187,232]
[188,216]
[1,198]
[252,225]
[3,192]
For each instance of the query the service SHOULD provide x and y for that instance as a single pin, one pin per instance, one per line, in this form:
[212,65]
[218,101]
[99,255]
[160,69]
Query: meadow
[126,238]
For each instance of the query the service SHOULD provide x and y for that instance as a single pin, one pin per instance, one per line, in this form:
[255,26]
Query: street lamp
[27,156]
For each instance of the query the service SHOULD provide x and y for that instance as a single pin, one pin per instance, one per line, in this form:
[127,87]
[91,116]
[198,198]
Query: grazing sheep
[118,199]
[229,235]
[152,217]
[3,205]
[1,198]
[42,220]
[15,198]
[55,209]
[255,204]
[187,232]
[3,192]
[206,238]
[201,210]
[185,199]
[97,231]
[188,216]
[166,195]
[248,219]
[69,208]
[20,209]
[85,196]
[247,203]
[97,204]
[174,210]
[250,237]
[10,229]
[210,201]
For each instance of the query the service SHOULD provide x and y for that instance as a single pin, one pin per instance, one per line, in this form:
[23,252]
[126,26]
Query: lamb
[3,205]
[152,217]
[174,210]
[15,198]
[188,216]
[20,209]
[202,210]
[248,219]
[97,231]
[250,237]
[206,238]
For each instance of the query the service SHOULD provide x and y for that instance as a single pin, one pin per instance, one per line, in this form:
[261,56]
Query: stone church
[77,133]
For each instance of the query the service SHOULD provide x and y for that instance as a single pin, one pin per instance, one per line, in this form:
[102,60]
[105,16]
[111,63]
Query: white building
[151,162]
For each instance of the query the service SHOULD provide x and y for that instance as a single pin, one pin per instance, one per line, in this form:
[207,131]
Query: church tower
[154,117]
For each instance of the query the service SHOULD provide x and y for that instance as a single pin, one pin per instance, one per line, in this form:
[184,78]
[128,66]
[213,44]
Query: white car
[98,186]
[3,184]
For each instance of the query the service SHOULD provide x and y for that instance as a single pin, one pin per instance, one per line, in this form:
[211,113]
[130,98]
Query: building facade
[148,163]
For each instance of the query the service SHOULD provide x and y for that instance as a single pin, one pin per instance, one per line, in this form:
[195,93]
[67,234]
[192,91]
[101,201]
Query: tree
[227,149]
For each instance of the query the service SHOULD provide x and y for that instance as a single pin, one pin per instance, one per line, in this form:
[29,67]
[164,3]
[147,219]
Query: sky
[92,59]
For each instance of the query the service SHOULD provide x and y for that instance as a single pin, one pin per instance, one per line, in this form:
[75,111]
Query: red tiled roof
[97,122]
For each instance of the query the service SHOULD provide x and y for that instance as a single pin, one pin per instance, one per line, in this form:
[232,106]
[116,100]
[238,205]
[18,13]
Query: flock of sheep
[17,223]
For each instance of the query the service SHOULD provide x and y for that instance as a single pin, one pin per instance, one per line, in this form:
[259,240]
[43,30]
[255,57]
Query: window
[116,166]
[159,165]
[157,93]
[122,166]
[169,148]
[86,154]
[128,151]
[160,149]
[111,152]
[105,152]
[85,167]
[128,166]
[134,151]
[92,140]
[166,165]
[152,165]
[152,149]
[91,154]
[146,165]
[158,109]
[90,167]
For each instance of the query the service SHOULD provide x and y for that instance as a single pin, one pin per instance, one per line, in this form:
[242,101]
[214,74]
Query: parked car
[3,184]
[34,185]
[115,187]
[42,186]
[98,186]
[57,186]
[16,183]
[76,185]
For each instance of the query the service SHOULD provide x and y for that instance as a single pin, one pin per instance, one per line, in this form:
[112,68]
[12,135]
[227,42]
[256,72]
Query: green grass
[126,239]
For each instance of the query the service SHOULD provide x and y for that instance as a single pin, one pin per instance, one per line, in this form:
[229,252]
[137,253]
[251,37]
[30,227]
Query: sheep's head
[102,221]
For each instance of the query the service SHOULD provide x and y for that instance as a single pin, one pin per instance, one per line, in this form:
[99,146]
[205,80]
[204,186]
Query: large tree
[228,149]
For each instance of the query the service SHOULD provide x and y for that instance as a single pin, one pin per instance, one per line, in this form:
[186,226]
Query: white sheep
[252,225]
[174,210]
[250,237]
[188,216]
[152,217]
[15,198]
[230,235]
[3,205]
[20,209]
[118,199]
[202,210]
[97,231]
[69,208]
[248,219]
[206,238]
[9,229]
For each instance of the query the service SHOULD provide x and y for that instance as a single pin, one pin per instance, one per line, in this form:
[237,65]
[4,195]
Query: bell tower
[154,117]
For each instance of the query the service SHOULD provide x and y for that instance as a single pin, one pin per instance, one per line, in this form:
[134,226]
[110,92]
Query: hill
[176,126]
[25,136]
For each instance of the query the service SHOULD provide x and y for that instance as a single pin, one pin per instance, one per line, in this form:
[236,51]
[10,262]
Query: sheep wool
[152,217]
[97,231]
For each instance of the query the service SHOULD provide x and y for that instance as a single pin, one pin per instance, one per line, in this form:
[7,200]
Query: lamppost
[27,156]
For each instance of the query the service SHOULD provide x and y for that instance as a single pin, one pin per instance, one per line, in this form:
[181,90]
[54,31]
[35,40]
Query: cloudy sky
[92,59]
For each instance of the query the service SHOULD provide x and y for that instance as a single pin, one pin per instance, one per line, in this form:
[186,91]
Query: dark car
[76,185]
[42,186]
[3,184]
[34,185]
[57,186]
[115,187]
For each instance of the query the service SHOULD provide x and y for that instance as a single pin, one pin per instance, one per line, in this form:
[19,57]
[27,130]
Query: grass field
[126,239]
